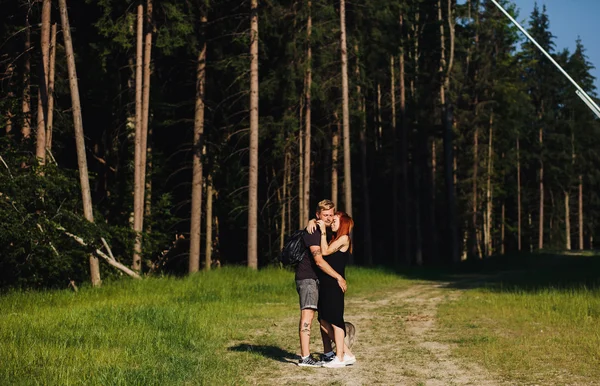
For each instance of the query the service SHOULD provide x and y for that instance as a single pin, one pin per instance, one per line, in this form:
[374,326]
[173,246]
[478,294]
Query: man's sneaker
[335,363]
[309,362]
[327,357]
[349,360]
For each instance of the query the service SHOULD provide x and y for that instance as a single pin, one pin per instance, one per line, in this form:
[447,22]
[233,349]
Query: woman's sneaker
[349,360]
[309,362]
[335,363]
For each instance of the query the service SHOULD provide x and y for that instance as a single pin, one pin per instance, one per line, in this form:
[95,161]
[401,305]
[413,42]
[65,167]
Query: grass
[211,328]
[537,325]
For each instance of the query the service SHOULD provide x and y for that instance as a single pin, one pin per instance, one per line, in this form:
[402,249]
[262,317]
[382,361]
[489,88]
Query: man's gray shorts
[308,291]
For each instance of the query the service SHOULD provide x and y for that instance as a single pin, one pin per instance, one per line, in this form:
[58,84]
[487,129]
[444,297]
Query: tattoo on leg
[305,325]
[305,331]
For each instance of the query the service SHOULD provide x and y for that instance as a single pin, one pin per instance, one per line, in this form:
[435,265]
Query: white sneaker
[335,363]
[349,360]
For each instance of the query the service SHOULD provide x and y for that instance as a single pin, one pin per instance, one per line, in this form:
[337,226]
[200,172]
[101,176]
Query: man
[307,285]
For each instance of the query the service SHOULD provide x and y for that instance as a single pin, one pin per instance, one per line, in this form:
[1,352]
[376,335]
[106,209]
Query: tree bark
[567,223]
[301,224]
[335,146]
[138,190]
[502,230]
[196,213]
[489,194]
[379,134]
[447,120]
[395,207]
[404,156]
[307,124]
[367,239]
[345,112]
[51,78]
[541,218]
[253,174]
[9,113]
[79,136]
[42,109]
[581,214]
[26,105]
[209,225]
[284,198]
[519,234]
[367,252]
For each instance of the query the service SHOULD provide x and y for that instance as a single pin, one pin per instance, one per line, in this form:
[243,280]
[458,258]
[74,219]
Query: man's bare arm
[325,267]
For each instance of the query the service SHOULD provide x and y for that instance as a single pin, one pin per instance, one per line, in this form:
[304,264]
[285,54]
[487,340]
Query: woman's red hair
[346,225]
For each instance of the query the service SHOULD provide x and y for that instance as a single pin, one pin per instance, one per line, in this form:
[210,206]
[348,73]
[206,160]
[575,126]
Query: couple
[321,285]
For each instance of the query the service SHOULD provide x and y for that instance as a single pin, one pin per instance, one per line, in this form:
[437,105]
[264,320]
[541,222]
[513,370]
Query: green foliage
[38,206]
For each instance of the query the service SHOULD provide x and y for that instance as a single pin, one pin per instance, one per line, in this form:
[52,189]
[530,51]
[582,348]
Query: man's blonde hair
[325,205]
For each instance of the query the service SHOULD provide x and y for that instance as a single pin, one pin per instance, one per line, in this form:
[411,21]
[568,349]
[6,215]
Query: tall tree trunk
[42,109]
[379,135]
[284,199]
[10,70]
[447,120]
[502,229]
[567,223]
[307,124]
[519,234]
[301,224]
[26,104]
[196,214]
[489,194]
[51,76]
[475,207]
[209,225]
[345,112]
[144,129]
[335,146]
[289,185]
[253,178]
[581,215]
[541,219]
[138,190]
[367,252]
[79,136]
[404,157]
[395,208]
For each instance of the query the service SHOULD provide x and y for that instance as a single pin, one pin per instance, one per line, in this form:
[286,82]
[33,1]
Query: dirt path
[399,347]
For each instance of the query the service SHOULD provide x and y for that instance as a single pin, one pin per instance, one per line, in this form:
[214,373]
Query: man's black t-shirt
[307,268]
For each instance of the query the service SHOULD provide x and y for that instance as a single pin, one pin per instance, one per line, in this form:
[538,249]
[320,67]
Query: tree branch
[109,259]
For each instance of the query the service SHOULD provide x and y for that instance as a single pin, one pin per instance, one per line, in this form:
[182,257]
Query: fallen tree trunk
[110,259]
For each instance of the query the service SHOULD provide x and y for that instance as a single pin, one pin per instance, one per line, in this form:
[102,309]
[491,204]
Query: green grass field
[159,331]
[538,323]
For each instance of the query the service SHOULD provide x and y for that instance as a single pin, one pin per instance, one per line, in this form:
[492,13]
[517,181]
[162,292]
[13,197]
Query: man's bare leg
[306,317]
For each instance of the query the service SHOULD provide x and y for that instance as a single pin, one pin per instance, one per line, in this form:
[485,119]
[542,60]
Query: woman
[331,297]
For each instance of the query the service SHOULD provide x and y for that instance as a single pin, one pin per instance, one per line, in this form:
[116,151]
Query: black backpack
[294,249]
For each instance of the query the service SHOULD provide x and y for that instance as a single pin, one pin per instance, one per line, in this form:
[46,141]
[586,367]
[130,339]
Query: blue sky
[568,20]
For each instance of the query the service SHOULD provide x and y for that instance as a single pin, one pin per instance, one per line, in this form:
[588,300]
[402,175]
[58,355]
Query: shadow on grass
[529,272]
[272,352]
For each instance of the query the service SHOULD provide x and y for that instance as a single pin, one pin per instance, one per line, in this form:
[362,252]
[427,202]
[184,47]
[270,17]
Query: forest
[153,137]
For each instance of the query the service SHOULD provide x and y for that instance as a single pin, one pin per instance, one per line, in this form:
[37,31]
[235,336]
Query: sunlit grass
[546,334]
[157,331]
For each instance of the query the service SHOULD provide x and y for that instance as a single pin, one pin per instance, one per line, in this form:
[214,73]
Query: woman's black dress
[331,297]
